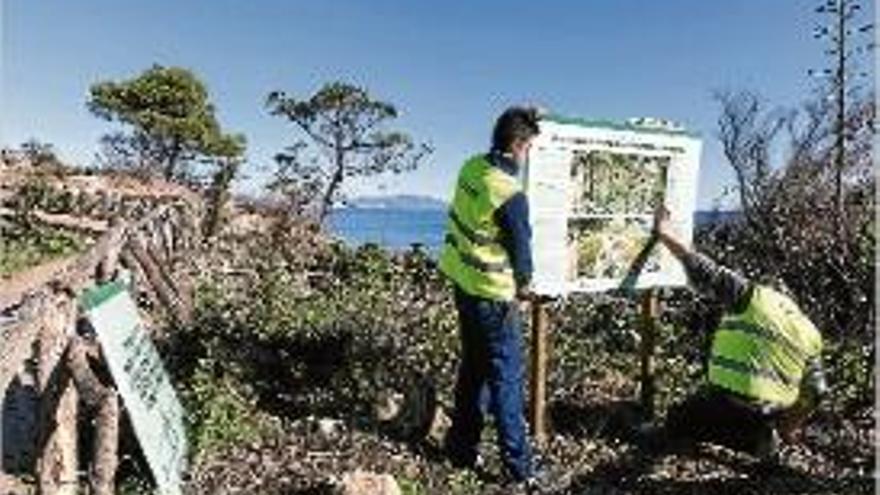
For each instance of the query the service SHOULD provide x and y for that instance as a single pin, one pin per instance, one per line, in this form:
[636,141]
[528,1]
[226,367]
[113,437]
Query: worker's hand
[524,293]
[661,220]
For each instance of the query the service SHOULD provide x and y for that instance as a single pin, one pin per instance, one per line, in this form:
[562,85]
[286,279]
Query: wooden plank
[57,445]
[18,339]
[158,280]
[141,281]
[105,456]
[19,401]
[104,401]
[166,233]
[538,389]
[72,222]
[107,266]
[647,329]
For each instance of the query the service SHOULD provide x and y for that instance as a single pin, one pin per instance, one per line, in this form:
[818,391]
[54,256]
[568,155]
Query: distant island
[396,202]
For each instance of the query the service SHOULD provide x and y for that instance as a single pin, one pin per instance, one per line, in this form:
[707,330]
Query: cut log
[57,445]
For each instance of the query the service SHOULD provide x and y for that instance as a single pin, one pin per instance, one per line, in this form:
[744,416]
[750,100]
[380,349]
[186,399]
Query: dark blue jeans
[490,358]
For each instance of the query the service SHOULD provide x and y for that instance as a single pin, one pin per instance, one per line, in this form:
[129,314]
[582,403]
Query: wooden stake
[102,399]
[57,444]
[647,330]
[538,389]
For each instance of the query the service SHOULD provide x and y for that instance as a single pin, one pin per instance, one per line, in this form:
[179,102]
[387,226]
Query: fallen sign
[142,382]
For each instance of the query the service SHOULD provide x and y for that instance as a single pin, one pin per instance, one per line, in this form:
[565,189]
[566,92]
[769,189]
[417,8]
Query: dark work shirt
[512,218]
[733,292]
[728,288]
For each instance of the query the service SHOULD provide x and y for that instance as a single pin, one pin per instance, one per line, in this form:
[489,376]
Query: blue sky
[449,66]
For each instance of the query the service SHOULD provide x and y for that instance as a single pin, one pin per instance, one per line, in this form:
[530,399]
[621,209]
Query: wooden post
[538,389]
[647,329]
[57,461]
[103,401]
[108,264]
[159,281]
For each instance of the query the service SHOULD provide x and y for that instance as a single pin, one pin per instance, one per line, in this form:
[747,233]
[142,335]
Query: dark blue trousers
[491,359]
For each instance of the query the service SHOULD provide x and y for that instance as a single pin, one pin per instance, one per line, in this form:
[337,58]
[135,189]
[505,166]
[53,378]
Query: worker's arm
[729,288]
[516,237]
[812,389]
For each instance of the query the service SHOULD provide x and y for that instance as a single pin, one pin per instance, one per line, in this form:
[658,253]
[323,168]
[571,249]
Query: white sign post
[142,382]
[593,187]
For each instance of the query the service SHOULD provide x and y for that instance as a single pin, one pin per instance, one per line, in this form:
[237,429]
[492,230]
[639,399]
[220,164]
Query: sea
[399,229]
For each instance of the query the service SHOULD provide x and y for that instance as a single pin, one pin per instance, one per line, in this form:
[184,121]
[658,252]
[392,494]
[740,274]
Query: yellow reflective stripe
[479,264]
[754,386]
[747,347]
[763,332]
[767,372]
[772,306]
[492,253]
[471,234]
[491,285]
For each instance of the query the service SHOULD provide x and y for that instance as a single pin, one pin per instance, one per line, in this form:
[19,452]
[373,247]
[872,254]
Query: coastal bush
[287,345]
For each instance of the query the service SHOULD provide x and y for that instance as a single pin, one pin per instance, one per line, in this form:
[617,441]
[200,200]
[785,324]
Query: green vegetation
[173,123]
[281,348]
[344,126]
[20,250]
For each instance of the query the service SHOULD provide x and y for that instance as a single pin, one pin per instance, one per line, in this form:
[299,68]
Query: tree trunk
[335,182]
[171,161]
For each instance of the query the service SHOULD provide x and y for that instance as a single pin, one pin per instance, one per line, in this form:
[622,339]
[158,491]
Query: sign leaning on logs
[593,187]
[143,383]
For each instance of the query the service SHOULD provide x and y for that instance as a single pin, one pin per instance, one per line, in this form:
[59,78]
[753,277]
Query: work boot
[767,449]
[650,438]
[477,464]
[537,481]
[540,481]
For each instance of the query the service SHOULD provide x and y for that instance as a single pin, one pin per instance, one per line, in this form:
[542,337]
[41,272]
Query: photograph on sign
[604,181]
[613,196]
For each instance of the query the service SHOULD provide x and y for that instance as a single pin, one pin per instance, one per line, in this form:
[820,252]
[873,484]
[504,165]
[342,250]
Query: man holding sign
[488,258]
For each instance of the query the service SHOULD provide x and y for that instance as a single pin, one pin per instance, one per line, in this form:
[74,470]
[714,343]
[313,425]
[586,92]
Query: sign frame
[549,187]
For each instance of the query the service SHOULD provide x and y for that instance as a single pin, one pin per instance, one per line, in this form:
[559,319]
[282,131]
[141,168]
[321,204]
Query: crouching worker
[487,256]
[764,370]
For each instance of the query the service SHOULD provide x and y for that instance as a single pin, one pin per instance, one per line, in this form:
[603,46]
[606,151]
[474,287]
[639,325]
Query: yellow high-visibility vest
[761,353]
[472,255]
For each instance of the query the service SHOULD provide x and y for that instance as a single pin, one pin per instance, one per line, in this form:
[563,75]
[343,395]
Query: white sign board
[593,187]
[142,382]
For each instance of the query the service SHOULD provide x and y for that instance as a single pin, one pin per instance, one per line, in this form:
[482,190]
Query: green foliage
[134,485]
[345,124]
[172,120]
[312,346]
[38,153]
[463,483]
[851,376]
[410,487]
[222,409]
[21,249]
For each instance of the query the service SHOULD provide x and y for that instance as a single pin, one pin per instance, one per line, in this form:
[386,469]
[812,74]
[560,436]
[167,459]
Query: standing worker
[487,256]
[764,372]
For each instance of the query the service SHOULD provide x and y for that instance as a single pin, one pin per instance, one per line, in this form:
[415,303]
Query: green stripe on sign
[97,295]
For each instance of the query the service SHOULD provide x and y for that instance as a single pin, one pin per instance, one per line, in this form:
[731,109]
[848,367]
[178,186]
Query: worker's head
[514,131]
